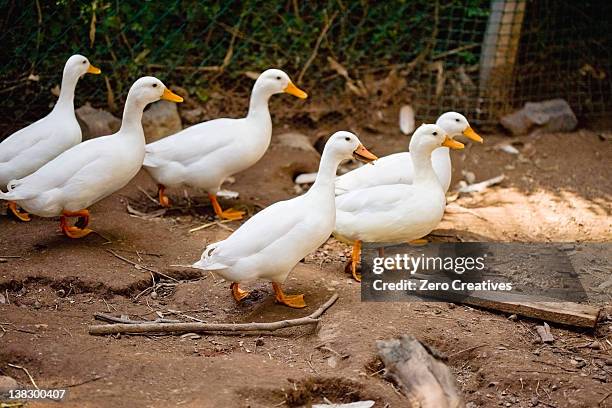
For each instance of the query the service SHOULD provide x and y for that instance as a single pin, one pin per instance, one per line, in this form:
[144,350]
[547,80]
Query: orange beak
[452,144]
[93,70]
[469,133]
[295,91]
[171,96]
[364,155]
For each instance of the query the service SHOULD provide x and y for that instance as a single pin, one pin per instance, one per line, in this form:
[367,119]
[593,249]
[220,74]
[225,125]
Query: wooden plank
[568,313]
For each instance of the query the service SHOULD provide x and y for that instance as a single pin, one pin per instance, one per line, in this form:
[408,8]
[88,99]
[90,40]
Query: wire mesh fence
[481,57]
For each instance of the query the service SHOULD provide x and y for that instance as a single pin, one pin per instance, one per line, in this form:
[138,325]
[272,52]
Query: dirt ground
[558,189]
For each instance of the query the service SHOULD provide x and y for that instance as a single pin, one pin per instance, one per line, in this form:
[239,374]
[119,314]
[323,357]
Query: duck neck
[66,97]
[258,105]
[132,117]
[326,176]
[422,167]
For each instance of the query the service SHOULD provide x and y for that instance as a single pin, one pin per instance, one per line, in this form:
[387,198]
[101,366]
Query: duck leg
[21,215]
[294,301]
[79,230]
[238,293]
[164,201]
[418,242]
[229,214]
[355,257]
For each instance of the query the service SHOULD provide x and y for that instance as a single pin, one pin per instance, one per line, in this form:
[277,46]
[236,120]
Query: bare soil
[559,189]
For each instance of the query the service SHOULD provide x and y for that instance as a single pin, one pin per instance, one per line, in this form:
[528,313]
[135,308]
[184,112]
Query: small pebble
[37,305]
[153,295]
[512,317]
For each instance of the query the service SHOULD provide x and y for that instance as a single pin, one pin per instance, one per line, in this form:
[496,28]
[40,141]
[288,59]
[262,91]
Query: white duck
[397,168]
[396,212]
[92,170]
[26,150]
[204,155]
[272,242]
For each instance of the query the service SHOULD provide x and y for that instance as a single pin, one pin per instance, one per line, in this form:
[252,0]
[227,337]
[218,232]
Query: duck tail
[15,193]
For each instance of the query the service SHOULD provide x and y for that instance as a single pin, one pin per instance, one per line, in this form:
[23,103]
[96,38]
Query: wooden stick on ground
[25,370]
[195,327]
[421,376]
[140,266]
[112,319]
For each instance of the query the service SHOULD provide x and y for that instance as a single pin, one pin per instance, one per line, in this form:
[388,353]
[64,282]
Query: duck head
[455,124]
[78,65]
[427,138]
[274,81]
[150,89]
[345,145]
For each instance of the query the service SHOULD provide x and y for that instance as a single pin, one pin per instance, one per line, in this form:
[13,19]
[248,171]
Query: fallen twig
[96,378]
[466,350]
[210,224]
[140,266]
[26,371]
[195,327]
[142,190]
[112,319]
[316,47]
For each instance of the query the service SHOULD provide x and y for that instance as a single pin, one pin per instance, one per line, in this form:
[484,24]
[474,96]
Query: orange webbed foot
[75,232]
[20,215]
[294,301]
[229,214]
[238,293]
[355,258]
[232,214]
[418,242]
[164,201]
[79,230]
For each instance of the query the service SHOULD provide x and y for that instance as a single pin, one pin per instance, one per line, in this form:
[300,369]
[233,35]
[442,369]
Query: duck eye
[278,78]
[84,62]
[457,120]
[435,133]
[348,139]
[154,85]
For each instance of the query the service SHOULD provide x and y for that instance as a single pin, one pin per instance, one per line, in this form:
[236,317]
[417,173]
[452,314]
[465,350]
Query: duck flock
[46,170]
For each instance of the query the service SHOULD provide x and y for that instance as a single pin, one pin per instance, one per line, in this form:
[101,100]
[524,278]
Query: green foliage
[175,39]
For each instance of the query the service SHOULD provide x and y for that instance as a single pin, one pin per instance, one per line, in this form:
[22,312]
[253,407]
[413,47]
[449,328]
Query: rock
[7,383]
[160,120]
[96,122]
[2,299]
[554,115]
[192,116]
[406,119]
[296,140]
[506,148]
[468,176]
